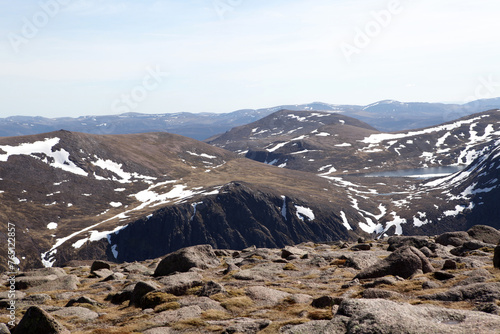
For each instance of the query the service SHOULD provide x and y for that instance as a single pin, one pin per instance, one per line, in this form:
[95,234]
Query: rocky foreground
[444,284]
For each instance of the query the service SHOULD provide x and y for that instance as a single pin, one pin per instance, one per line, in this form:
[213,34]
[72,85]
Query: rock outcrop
[307,288]
[202,257]
[405,262]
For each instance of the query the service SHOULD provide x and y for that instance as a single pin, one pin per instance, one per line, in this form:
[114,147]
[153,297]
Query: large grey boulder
[141,289]
[453,238]
[25,282]
[367,316]
[397,241]
[482,292]
[44,272]
[292,251]
[178,284]
[98,265]
[264,296]
[82,313]
[335,326]
[470,246]
[404,262]
[486,234]
[168,317]
[202,256]
[360,260]
[68,282]
[122,296]
[204,303]
[496,257]
[241,325]
[4,329]
[374,293]
[211,288]
[37,321]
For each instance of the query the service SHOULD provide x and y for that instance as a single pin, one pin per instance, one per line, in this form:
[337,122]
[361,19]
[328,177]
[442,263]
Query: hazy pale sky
[97,57]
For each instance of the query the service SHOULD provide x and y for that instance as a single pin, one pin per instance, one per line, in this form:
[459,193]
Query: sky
[68,58]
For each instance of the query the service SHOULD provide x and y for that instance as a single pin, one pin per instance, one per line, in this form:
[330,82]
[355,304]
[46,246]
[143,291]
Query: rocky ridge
[402,284]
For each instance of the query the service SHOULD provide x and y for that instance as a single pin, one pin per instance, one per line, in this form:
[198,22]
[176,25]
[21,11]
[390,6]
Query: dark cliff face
[237,218]
[484,181]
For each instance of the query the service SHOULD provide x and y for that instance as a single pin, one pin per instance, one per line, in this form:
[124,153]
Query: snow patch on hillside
[203,155]
[345,221]
[303,212]
[397,222]
[283,207]
[43,151]
[276,147]
[298,118]
[194,205]
[380,137]
[116,168]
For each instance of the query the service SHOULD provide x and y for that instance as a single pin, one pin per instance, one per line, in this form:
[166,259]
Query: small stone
[252,248]
[211,288]
[290,251]
[141,289]
[96,265]
[388,280]
[351,283]
[4,329]
[122,296]
[102,273]
[361,247]
[427,252]
[230,268]
[114,277]
[155,298]
[374,293]
[323,302]
[442,275]
[449,265]
[82,300]
[430,285]
[491,308]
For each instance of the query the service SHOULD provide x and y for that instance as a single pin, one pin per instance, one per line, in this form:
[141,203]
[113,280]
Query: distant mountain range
[385,116]
[321,142]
